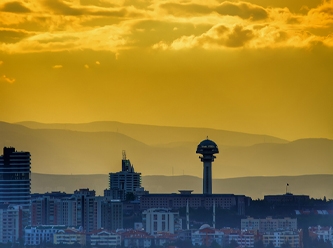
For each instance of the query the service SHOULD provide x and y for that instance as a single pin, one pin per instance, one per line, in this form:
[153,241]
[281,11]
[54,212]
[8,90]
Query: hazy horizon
[252,66]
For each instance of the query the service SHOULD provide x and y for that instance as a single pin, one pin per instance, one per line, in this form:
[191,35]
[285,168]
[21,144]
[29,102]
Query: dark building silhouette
[125,181]
[15,177]
[207,148]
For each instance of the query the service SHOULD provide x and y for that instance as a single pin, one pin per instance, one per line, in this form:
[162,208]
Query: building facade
[206,235]
[157,220]
[125,181]
[176,201]
[269,224]
[36,235]
[15,177]
[11,223]
[278,238]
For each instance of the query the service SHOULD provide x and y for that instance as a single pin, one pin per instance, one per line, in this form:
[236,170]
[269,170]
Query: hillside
[57,151]
[317,186]
[159,135]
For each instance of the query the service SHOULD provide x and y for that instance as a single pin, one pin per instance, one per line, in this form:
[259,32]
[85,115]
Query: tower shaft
[207,149]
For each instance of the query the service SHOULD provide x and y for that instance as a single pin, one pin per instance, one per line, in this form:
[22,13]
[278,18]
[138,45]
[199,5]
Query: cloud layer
[39,25]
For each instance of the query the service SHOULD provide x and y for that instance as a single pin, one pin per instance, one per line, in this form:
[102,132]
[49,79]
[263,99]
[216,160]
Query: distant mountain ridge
[317,186]
[157,135]
[64,151]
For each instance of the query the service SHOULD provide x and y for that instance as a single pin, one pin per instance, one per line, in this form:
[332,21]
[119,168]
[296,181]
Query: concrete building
[176,201]
[124,182]
[15,177]
[111,214]
[324,233]
[44,211]
[243,238]
[36,235]
[278,238]
[137,239]
[206,235]
[269,224]
[157,220]
[287,198]
[103,237]
[11,223]
[207,148]
[69,236]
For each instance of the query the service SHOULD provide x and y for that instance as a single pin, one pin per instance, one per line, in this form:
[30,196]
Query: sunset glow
[250,66]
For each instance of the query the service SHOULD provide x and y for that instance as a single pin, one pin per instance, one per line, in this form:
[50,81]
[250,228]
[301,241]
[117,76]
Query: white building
[10,223]
[69,237]
[269,224]
[35,235]
[157,220]
[103,237]
[206,235]
[278,238]
[324,233]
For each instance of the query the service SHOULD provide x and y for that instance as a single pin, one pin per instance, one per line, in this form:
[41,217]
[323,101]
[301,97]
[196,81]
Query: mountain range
[316,186]
[96,148]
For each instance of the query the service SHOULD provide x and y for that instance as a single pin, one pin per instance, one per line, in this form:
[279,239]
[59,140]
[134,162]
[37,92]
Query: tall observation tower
[207,148]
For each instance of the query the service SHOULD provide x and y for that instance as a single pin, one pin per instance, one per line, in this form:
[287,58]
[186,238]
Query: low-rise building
[206,235]
[244,238]
[269,224]
[104,237]
[157,220]
[69,236]
[278,238]
[36,235]
[138,239]
[322,232]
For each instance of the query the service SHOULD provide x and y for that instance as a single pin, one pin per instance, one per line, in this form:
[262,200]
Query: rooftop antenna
[124,155]
[287,188]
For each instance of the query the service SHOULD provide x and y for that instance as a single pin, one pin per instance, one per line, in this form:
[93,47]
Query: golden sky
[258,66]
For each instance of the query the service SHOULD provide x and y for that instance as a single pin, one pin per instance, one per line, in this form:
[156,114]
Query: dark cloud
[185,9]
[238,37]
[112,13]
[14,7]
[62,9]
[243,10]
[98,3]
[10,36]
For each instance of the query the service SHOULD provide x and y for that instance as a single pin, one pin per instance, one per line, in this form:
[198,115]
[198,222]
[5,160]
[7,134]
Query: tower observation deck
[207,148]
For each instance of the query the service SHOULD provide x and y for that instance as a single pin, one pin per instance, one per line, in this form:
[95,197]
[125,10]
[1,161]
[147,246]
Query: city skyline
[261,67]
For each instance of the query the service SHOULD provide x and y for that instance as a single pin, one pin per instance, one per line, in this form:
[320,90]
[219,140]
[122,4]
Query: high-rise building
[125,181]
[111,214]
[15,177]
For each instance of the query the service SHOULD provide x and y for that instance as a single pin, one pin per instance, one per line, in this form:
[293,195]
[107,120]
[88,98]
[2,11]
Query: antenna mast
[124,155]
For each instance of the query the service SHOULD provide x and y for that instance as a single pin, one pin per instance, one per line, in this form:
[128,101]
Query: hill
[317,186]
[159,135]
[58,151]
